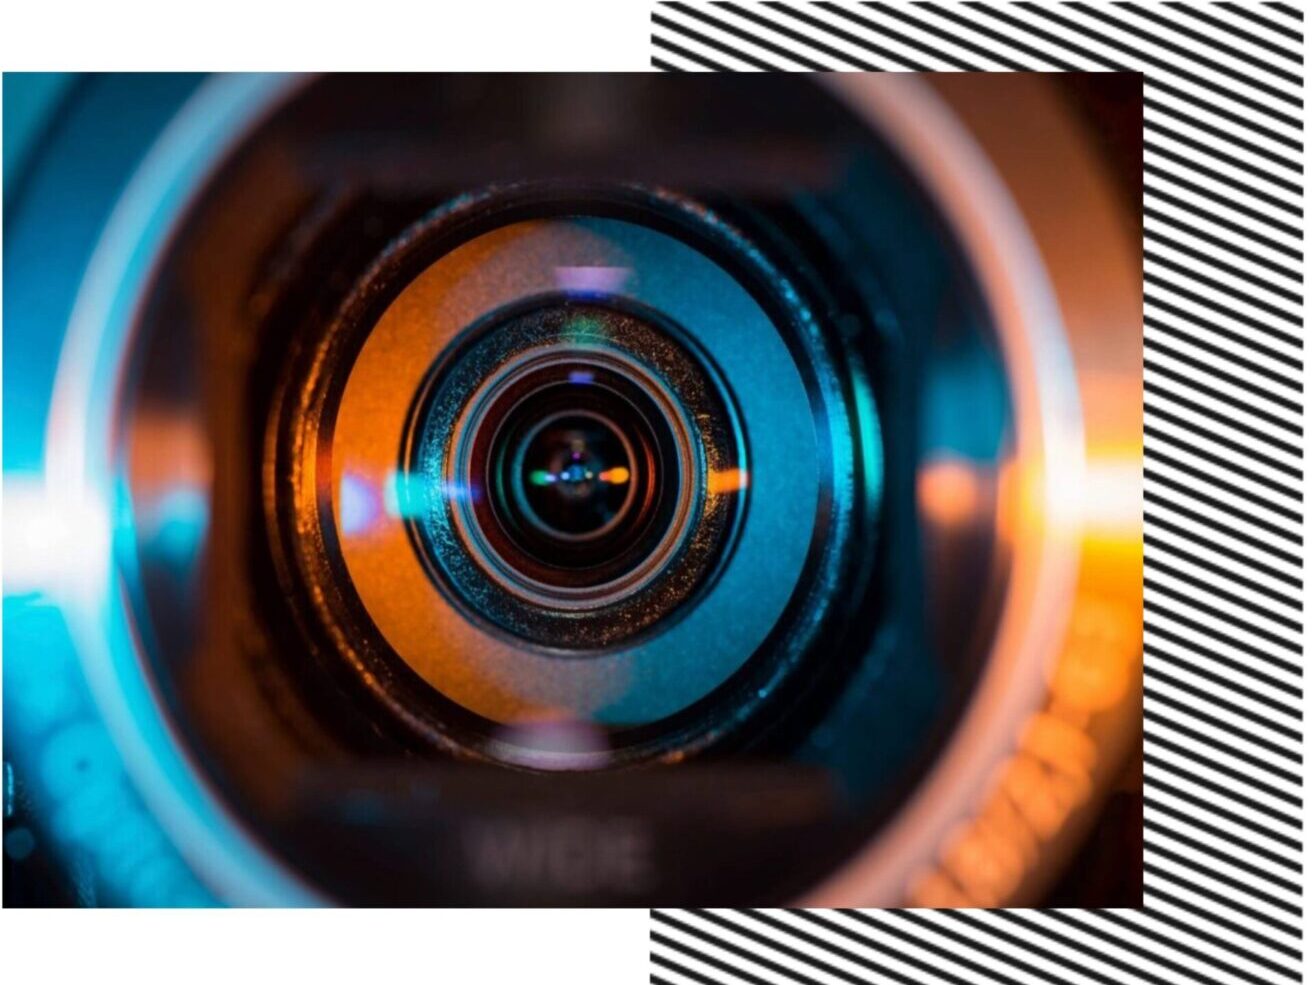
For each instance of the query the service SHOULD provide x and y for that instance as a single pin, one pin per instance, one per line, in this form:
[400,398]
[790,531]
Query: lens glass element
[563,461]
[575,476]
[573,471]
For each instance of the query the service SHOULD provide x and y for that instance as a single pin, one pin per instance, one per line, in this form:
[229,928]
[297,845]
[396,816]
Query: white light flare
[592,281]
[57,544]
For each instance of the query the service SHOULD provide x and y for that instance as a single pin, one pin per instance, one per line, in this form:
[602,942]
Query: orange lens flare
[727,481]
[948,492]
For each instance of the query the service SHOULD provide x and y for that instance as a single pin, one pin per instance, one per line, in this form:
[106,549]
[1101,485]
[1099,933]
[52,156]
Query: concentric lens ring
[773,469]
[559,572]
[574,476]
[579,357]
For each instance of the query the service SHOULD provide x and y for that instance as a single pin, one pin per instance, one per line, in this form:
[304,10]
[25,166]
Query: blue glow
[57,198]
[72,776]
[965,410]
[57,212]
[358,504]
[402,497]
[178,522]
[457,491]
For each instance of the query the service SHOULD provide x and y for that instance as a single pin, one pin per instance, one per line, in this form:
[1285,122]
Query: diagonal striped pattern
[1223,495]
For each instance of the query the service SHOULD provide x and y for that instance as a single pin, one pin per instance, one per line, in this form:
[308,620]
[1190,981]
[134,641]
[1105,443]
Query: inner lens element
[564,459]
[582,475]
[576,475]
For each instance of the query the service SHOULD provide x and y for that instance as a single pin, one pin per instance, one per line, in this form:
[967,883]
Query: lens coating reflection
[574,476]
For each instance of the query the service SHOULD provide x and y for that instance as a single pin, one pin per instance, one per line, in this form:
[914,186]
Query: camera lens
[548,472]
[573,475]
[560,472]
[579,484]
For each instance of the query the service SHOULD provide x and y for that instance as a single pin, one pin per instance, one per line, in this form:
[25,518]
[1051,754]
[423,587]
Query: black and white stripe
[1224,620]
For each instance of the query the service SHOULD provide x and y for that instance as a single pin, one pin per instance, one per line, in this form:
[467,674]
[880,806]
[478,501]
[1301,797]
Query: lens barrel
[560,477]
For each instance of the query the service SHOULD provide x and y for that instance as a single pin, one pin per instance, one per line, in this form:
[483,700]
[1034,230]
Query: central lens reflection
[581,474]
[577,475]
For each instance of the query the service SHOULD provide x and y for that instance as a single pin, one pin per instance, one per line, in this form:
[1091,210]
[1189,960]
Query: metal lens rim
[465,511]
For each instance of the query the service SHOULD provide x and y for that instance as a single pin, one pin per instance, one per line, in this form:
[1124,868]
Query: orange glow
[947,491]
[615,476]
[727,481]
[1098,667]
